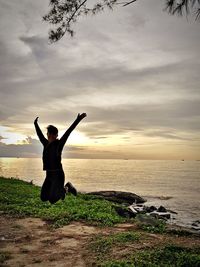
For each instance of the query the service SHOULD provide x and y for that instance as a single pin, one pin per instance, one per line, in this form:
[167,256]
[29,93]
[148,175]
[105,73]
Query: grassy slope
[19,198]
[168,256]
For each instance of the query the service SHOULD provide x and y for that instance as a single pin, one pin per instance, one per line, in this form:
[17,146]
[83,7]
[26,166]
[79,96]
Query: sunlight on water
[178,181]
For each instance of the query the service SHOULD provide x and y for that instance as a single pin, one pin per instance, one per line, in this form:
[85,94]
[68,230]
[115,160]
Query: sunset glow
[135,72]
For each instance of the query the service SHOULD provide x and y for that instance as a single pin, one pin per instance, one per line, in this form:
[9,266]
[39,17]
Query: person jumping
[53,188]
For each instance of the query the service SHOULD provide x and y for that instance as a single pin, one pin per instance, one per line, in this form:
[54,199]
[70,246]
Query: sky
[134,71]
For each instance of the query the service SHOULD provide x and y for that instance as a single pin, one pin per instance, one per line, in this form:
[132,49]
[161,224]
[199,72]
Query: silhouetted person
[53,187]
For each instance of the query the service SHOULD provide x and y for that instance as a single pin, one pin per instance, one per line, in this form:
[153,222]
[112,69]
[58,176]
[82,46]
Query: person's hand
[81,116]
[36,120]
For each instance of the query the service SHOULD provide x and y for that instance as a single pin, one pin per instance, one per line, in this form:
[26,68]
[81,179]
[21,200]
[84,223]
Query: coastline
[176,179]
[159,200]
[82,231]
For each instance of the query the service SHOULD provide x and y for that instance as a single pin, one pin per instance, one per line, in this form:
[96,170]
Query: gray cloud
[166,135]
[134,71]
[32,148]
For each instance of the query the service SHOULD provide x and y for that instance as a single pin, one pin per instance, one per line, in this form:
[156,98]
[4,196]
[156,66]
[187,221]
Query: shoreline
[84,231]
[179,180]
[150,200]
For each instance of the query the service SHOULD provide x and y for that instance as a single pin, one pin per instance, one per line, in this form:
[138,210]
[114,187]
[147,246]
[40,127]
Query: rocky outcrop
[119,197]
[134,210]
[133,205]
[159,213]
[124,212]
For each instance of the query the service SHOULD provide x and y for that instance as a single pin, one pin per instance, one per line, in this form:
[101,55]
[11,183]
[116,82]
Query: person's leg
[44,195]
[57,190]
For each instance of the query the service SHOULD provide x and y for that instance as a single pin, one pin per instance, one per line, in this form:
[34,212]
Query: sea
[170,183]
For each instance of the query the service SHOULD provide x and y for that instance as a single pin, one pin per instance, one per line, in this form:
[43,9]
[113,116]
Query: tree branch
[76,11]
[128,3]
[72,16]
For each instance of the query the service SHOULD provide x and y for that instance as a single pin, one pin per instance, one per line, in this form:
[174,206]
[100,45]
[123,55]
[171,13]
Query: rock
[161,215]
[173,212]
[150,209]
[162,209]
[119,197]
[124,212]
[140,209]
[197,221]
[197,228]
[132,209]
[195,224]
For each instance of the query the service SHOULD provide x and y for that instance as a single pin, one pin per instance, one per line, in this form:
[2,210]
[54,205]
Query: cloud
[134,71]
[180,115]
[166,135]
[32,148]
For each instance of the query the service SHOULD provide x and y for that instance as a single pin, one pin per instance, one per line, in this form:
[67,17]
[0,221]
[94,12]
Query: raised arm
[63,139]
[43,140]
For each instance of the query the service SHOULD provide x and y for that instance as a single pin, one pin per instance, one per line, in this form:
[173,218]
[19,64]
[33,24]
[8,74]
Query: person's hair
[52,130]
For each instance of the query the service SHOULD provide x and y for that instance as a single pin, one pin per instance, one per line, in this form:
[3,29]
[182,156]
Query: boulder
[161,215]
[172,212]
[150,209]
[119,197]
[162,209]
[137,208]
[196,225]
[124,212]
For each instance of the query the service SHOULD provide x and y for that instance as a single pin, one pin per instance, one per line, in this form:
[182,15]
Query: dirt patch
[32,242]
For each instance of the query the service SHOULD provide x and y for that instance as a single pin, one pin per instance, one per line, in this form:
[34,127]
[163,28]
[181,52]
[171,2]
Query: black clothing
[52,156]
[53,186]
[52,151]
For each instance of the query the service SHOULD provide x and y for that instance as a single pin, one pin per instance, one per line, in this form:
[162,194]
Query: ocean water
[173,184]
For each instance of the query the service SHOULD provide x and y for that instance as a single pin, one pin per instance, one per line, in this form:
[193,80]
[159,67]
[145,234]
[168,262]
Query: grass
[179,232]
[20,199]
[102,244]
[4,256]
[159,228]
[168,256]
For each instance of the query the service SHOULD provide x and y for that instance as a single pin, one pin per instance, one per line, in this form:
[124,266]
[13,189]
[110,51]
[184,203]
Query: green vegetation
[102,244]
[169,256]
[119,249]
[160,227]
[150,224]
[20,199]
[179,232]
[4,256]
